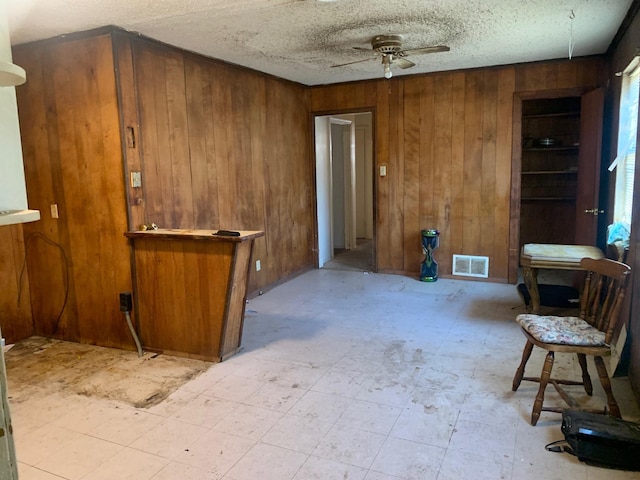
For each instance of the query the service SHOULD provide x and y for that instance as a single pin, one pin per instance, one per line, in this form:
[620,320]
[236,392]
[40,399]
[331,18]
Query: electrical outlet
[257,265]
[126,302]
[54,210]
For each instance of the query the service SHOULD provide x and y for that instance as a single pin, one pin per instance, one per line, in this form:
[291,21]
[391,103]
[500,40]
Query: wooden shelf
[556,114]
[187,234]
[558,148]
[551,172]
[547,199]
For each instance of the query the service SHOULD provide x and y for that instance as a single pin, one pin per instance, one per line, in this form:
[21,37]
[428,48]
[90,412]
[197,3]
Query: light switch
[54,210]
[136,179]
[383,170]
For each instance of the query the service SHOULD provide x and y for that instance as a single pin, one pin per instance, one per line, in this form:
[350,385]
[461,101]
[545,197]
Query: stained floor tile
[342,375]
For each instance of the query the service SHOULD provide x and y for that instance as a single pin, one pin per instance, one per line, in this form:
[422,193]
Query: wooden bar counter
[191,290]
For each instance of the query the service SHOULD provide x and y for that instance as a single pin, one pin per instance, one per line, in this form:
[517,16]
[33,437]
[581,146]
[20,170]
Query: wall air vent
[471,266]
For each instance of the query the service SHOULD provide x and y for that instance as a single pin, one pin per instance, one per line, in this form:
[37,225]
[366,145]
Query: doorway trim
[374,163]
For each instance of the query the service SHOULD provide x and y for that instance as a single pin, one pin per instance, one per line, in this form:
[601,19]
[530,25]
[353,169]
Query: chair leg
[544,380]
[526,353]
[586,379]
[606,385]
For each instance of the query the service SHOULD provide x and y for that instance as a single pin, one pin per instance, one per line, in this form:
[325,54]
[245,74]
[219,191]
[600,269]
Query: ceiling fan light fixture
[386,62]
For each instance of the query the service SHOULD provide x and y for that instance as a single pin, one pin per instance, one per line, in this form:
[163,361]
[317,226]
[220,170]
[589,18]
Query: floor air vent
[471,266]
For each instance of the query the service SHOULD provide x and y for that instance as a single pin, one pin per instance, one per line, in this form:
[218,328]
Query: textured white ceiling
[300,40]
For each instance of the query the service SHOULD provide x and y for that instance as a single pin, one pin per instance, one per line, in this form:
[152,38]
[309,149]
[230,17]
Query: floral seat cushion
[561,330]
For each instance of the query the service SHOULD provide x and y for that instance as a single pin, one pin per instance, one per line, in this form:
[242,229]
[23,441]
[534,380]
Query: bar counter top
[188,234]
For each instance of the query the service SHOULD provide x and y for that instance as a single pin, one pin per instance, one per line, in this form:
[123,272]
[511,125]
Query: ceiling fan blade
[403,62]
[364,49]
[351,63]
[420,51]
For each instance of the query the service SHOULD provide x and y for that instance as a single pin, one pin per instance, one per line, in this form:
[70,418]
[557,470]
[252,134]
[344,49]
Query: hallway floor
[343,375]
[359,259]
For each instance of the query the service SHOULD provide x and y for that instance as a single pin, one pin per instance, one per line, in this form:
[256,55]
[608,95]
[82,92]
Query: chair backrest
[603,292]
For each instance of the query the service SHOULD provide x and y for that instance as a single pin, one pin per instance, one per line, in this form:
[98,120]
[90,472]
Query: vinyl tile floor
[342,375]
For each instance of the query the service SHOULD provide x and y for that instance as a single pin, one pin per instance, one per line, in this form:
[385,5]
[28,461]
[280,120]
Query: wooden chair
[588,334]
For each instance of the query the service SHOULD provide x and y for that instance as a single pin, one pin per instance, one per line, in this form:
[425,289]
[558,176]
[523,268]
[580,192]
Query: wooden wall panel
[442,186]
[414,169]
[223,147]
[15,301]
[454,222]
[472,165]
[488,198]
[78,263]
[397,160]
[446,139]
[504,131]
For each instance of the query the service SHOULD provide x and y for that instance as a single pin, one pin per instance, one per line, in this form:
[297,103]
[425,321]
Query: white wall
[13,193]
[323,189]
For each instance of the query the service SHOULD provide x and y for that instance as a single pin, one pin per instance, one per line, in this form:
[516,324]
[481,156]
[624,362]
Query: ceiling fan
[389,48]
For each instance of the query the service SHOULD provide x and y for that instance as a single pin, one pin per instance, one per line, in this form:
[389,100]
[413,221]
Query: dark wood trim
[374,166]
[551,61]
[94,32]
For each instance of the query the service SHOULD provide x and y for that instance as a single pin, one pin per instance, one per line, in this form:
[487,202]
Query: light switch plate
[383,170]
[136,179]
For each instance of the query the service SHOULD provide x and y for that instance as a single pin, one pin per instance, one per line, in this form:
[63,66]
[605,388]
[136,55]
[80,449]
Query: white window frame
[624,164]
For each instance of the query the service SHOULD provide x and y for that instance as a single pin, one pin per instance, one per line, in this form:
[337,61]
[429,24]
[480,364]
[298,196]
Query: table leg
[531,281]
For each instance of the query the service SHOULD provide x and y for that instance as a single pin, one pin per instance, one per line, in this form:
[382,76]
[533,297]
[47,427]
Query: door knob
[594,211]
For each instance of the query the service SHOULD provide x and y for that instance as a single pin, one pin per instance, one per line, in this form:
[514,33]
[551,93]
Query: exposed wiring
[30,238]
[133,333]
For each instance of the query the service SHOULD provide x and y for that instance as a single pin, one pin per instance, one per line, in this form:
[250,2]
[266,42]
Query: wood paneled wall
[79,262]
[219,147]
[446,139]
[15,301]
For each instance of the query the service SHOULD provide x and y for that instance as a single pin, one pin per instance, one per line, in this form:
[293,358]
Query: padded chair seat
[561,330]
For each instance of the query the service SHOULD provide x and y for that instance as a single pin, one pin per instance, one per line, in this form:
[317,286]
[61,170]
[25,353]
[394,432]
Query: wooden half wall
[446,140]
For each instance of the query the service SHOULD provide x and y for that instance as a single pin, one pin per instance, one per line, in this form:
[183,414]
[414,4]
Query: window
[627,137]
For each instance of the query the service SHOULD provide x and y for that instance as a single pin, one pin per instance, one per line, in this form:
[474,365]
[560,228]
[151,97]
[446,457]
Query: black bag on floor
[600,440]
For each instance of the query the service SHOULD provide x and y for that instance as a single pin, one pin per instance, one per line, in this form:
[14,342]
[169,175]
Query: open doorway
[344,191]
